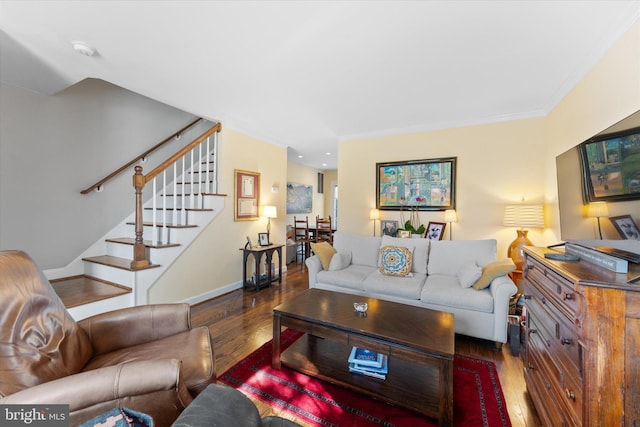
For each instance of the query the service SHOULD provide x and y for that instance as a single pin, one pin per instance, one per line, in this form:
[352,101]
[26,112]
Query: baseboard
[213,293]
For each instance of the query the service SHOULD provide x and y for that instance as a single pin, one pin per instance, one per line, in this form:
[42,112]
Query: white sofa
[437,271]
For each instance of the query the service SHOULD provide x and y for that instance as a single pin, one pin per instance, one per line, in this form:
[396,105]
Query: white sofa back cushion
[450,256]
[363,249]
[420,249]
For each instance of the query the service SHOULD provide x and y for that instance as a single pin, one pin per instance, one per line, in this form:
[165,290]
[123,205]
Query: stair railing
[98,186]
[188,193]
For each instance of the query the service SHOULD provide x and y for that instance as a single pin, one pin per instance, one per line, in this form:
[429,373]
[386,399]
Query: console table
[257,280]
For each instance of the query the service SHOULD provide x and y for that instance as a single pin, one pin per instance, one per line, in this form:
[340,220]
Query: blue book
[364,357]
[380,372]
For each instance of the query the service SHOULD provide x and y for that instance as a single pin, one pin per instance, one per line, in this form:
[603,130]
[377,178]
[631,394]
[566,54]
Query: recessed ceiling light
[82,48]
[300,156]
[324,164]
[327,153]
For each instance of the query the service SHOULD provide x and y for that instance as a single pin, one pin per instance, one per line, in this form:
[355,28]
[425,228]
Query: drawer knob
[525,296]
[566,296]
[565,341]
[570,395]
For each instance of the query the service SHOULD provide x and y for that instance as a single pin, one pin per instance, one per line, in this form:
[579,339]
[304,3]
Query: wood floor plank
[241,321]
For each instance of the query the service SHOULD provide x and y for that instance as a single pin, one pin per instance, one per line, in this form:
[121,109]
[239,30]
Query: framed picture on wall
[426,185]
[626,226]
[299,198]
[247,197]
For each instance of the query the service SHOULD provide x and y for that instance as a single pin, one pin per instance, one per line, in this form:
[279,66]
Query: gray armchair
[145,358]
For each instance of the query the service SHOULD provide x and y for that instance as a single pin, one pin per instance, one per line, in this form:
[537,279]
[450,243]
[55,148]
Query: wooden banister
[134,160]
[184,150]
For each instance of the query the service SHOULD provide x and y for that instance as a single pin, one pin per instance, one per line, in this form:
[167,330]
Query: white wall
[52,147]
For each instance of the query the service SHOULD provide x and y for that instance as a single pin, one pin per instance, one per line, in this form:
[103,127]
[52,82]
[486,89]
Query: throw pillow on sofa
[395,261]
[492,270]
[340,261]
[469,275]
[324,251]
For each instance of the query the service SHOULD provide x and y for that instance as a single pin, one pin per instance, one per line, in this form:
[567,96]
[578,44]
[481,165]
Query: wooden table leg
[445,418]
[275,355]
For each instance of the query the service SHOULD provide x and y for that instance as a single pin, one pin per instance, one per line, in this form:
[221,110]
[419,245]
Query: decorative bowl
[360,307]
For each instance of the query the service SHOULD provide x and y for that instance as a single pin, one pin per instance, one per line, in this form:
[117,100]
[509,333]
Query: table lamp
[269,212]
[522,216]
[374,214]
[450,216]
[598,210]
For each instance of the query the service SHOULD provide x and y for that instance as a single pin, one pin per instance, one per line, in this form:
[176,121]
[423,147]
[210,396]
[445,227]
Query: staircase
[119,269]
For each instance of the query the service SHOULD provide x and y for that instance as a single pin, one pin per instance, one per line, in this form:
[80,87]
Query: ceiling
[309,74]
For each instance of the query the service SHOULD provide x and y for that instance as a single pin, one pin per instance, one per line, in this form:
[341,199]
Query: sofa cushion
[363,249]
[351,277]
[450,256]
[420,249]
[445,290]
[493,270]
[395,261]
[469,274]
[402,287]
[340,261]
[324,251]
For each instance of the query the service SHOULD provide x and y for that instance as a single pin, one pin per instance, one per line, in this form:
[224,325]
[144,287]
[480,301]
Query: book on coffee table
[376,372]
[364,357]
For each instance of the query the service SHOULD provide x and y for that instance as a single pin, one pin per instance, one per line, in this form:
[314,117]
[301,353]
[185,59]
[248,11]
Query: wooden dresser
[582,342]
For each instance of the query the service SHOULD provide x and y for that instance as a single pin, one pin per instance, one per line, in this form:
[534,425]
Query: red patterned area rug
[477,398]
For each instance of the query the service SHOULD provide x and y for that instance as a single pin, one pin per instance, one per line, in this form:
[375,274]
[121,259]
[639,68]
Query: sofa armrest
[314,266]
[502,289]
[135,325]
[110,384]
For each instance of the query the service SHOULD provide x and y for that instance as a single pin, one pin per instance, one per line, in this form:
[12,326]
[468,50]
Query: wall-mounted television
[611,166]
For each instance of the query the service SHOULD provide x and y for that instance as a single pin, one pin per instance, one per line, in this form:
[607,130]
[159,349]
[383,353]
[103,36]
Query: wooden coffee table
[419,342]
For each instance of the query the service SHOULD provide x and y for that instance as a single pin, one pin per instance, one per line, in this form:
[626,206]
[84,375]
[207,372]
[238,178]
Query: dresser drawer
[556,288]
[561,335]
[545,355]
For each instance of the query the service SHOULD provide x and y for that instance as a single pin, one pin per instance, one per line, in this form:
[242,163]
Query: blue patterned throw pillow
[395,261]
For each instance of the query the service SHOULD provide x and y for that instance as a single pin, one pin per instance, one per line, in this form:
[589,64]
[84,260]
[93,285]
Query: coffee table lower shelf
[407,385]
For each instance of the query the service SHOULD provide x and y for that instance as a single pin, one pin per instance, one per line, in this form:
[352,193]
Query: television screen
[611,166]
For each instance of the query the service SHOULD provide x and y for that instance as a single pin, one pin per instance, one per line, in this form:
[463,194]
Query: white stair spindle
[154,228]
[191,201]
[200,197]
[215,163]
[165,234]
[206,178]
[175,190]
[183,200]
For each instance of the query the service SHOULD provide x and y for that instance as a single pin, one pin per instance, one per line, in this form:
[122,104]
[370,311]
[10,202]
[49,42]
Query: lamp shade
[597,210]
[523,216]
[374,214]
[270,212]
[450,215]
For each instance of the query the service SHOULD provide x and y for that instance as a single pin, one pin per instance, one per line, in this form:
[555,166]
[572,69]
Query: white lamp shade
[450,215]
[597,210]
[270,212]
[523,216]
[374,214]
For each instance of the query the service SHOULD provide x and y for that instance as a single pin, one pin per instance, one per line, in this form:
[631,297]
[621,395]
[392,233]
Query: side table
[258,281]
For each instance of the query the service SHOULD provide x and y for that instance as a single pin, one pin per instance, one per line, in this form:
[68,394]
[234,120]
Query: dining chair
[301,237]
[324,231]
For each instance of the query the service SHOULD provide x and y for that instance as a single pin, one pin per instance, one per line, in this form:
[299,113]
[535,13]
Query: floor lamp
[522,216]
[598,210]
[450,216]
[374,214]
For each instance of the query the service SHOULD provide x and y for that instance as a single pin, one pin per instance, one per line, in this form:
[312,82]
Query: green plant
[409,227]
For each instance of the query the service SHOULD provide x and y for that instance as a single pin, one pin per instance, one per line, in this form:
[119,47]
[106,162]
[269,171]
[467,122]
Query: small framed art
[247,186]
[626,226]
[263,239]
[389,228]
[435,230]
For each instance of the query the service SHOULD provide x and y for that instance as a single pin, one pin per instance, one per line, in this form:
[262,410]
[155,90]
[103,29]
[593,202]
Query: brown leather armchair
[146,358]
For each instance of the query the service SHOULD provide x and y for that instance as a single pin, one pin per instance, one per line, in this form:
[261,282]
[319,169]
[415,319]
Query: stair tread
[79,290]
[117,262]
[147,243]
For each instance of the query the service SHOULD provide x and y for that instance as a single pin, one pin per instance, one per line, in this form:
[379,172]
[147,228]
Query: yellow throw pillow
[325,252]
[492,270]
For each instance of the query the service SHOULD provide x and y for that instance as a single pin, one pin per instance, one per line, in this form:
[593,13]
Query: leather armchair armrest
[135,325]
[110,384]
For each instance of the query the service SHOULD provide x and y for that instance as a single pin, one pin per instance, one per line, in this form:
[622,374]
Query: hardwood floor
[240,322]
